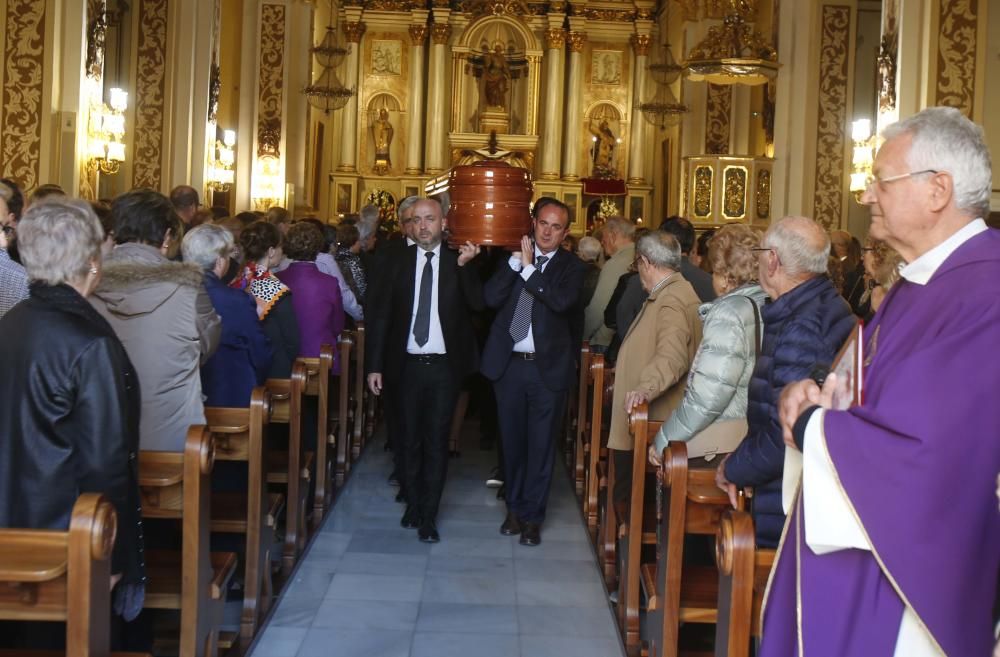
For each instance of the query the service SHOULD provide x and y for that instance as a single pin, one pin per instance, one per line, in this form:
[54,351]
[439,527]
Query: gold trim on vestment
[777,558]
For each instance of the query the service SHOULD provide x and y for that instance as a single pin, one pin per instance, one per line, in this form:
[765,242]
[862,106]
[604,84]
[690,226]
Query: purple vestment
[918,461]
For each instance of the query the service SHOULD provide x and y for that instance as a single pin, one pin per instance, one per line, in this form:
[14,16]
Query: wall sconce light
[222,176]
[268,186]
[862,157]
[106,133]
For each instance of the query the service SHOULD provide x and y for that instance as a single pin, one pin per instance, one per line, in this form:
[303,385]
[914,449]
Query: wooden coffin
[490,203]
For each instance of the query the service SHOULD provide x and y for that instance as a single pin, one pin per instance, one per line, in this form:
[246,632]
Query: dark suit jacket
[556,292]
[391,302]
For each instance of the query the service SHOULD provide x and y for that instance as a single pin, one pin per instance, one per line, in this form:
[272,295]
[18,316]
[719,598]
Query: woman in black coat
[69,397]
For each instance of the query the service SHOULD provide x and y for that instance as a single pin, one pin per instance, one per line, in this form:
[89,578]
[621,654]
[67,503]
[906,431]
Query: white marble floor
[369,588]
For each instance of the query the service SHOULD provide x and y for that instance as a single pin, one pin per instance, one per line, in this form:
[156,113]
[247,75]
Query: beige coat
[162,314]
[656,355]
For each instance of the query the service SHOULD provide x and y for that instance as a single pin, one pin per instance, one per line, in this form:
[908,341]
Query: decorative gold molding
[97,26]
[555,39]
[734,197]
[557,7]
[956,59]
[607,15]
[644,14]
[270,73]
[418,35]
[832,116]
[151,56]
[440,33]
[717,111]
[576,41]
[354,31]
[389,5]
[21,129]
[703,175]
[693,10]
[641,44]
[764,194]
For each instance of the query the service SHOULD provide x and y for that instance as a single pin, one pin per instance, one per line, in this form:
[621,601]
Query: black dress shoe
[530,534]
[502,492]
[394,479]
[428,532]
[511,526]
[411,519]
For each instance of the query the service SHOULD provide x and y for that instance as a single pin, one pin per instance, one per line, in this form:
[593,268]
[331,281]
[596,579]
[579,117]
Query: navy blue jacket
[244,354]
[556,291]
[803,328]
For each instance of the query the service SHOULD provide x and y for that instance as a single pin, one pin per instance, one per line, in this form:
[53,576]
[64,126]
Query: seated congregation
[183,402]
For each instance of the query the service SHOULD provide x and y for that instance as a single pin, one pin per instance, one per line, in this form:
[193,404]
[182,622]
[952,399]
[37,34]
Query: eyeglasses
[766,248]
[882,182]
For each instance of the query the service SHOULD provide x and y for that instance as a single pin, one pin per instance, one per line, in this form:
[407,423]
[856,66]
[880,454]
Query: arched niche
[517,40]
[383,106]
[605,126]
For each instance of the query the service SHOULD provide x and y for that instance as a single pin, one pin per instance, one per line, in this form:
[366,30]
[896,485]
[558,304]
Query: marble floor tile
[376,615]
[563,646]
[588,593]
[279,641]
[466,618]
[334,642]
[398,588]
[469,590]
[437,644]
[566,621]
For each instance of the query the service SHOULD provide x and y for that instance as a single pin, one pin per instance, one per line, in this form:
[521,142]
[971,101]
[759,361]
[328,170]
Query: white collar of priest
[923,268]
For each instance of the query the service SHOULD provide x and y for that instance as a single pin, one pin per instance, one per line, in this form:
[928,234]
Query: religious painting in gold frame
[734,198]
[704,176]
[387,57]
[606,67]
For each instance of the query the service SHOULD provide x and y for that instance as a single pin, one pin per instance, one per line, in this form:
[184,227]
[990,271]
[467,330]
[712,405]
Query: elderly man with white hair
[617,239]
[893,543]
[805,324]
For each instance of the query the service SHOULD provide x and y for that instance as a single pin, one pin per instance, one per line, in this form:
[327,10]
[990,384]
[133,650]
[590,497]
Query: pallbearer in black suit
[422,344]
[529,356]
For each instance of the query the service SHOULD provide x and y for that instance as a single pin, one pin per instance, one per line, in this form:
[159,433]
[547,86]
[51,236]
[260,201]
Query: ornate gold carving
[555,39]
[418,34]
[644,14]
[576,41]
[557,7]
[734,34]
[270,75]
[608,15]
[97,25]
[440,33]
[832,117]
[763,194]
[354,31]
[388,5]
[693,10]
[887,71]
[479,8]
[717,111]
[703,191]
[734,198]
[21,129]
[641,43]
[150,80]
[956,74]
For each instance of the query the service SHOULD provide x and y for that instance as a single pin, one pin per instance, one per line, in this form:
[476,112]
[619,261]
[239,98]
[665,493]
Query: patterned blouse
[350,266]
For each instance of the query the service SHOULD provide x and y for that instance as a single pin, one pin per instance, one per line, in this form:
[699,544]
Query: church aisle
[369,588]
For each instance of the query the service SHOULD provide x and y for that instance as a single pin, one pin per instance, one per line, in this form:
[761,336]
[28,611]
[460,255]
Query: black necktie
[522,311]
[422,325]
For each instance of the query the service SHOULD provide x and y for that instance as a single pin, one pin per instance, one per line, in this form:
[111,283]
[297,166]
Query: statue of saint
[603,151]
[497,68]
[382,134]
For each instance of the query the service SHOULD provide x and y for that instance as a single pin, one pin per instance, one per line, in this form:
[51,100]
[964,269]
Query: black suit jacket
[391,308]
[556,291]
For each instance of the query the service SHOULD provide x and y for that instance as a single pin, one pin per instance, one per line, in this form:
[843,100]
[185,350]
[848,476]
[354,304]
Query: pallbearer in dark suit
[529,356]
[422,344]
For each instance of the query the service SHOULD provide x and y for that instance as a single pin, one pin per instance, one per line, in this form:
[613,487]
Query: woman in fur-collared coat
[162,314]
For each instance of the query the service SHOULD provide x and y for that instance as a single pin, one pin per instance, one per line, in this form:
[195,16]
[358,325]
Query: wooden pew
[239,435]
[317,385]
[346,346]
[48,575]
[290,467]
[357,401]
[592,447]
[581,418]
[193,580]
[743,573]
[685,593]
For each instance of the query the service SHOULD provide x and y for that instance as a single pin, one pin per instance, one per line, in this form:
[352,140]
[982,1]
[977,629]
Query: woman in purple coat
[315,295]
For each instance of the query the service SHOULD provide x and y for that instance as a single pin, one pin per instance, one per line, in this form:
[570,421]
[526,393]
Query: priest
[892,542]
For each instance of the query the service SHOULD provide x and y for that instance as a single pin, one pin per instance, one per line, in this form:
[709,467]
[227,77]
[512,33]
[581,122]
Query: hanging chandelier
[664,111]
[327,93]
[733,53]
[327,52]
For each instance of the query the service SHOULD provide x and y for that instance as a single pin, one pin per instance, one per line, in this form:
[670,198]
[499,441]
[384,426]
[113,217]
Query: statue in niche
[382,134]
[497,68]
[603,150]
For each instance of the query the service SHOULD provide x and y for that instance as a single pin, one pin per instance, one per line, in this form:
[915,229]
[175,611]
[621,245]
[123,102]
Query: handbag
[724,436]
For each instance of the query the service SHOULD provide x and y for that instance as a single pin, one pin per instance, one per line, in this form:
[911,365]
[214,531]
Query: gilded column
[636,152]
[437,127]
[349,121]
[555,41]
[415,128]
[574,74]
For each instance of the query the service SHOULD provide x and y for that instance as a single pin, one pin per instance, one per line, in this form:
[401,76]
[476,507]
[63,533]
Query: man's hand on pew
[724,484]
[375,383]
[633,398]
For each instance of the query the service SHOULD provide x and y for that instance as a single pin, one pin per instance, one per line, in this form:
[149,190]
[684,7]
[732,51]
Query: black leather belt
[426,359]
[524,355]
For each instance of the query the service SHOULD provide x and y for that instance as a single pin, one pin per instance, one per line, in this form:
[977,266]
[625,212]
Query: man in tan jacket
[657,351]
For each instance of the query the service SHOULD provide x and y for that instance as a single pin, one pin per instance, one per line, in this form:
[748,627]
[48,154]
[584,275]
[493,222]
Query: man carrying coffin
[893,541]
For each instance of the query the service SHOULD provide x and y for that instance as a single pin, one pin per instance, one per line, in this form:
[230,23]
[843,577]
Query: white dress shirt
[527,345]
[435,340]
